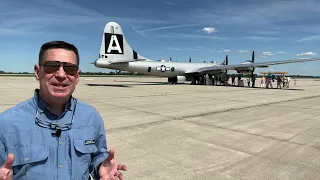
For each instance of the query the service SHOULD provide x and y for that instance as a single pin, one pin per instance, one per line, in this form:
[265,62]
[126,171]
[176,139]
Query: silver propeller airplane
[116,53]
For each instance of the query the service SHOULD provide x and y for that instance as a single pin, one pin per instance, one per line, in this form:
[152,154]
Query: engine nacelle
[245,70]
[181,79]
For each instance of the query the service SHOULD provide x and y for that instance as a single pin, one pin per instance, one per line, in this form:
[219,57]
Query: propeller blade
[252,73]
[252,59]
[227,60]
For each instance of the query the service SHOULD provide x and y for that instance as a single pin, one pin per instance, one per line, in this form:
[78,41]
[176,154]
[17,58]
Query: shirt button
[60,142]
[60,165]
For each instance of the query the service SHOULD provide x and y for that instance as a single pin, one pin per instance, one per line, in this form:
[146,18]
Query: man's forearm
[96,164]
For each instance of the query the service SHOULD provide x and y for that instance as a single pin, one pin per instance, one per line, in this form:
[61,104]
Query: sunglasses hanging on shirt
[56,125]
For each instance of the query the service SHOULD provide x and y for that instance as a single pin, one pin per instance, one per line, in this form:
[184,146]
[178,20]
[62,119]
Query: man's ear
[78,76]
[37,71]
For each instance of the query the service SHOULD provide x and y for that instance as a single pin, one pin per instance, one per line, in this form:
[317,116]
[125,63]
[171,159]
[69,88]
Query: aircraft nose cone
[95,62]
[99,63]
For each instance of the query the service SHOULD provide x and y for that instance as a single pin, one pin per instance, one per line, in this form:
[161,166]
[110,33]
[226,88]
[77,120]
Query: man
[248,81]
[53,135]
[263,81]
[233,80]
[279,82]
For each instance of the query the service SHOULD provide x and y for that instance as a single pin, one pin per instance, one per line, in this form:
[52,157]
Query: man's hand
[110,169]
[6,169]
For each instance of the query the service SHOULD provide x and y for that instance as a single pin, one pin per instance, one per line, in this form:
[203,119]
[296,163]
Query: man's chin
[60,94]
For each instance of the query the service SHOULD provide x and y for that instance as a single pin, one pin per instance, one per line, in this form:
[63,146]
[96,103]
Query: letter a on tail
[115,45]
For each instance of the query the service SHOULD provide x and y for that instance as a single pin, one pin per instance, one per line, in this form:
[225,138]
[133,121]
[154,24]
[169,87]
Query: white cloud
[261,38]
[168,27]
[193,49]
[183,49]
[191,36]
[47,15]
[243,51]
[142,32]
[265,54]
[310,38]
[227,50]
[177,49]
[208,30]
[139,32]
[307,54]
[280,52]
[262,32]
[266,18]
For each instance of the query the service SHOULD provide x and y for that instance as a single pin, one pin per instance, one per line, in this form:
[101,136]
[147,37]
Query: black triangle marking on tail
[135,55]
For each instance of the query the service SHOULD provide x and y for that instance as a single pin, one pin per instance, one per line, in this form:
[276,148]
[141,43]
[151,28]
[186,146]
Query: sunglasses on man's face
[53,66]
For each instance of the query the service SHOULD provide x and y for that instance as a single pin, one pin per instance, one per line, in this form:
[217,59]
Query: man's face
[55,81]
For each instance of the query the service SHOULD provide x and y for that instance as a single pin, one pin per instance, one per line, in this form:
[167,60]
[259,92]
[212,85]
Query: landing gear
[173,80]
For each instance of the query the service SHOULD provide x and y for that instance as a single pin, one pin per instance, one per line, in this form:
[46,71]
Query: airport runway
[189,132]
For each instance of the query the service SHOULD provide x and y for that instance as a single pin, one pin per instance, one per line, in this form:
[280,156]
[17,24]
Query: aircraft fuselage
[156,68]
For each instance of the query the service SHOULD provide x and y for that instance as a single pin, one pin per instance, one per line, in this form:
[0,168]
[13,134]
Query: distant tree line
[131,73]
[291,75]
[83,73]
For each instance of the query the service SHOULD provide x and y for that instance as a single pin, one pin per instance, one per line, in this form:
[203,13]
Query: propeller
[226,59]
[226,63]
[253,68]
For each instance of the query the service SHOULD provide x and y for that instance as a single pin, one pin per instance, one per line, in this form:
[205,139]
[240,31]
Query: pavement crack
[248,106]
[257,135]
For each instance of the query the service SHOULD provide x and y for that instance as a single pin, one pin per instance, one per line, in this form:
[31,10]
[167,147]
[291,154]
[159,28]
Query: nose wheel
[173,80]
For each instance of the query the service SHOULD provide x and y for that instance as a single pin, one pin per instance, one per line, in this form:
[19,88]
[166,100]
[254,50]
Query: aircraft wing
[249,65]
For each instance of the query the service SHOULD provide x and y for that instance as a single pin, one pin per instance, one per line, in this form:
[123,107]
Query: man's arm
[2,151]
[102,152]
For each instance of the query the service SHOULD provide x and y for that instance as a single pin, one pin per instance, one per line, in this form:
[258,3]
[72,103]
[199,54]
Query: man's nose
[61,73]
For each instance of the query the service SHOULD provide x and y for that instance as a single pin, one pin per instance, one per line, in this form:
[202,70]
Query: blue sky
[204,30]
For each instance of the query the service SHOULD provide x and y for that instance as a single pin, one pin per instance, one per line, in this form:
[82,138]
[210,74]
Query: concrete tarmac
[189,132]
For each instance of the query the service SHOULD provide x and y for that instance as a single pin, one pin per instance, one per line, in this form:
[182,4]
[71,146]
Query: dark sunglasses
[53,66]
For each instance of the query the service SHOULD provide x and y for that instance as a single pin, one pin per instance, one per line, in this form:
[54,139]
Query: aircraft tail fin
[114,45]
[225,62]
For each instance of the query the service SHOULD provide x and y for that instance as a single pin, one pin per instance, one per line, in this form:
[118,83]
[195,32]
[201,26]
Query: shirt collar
[43,106]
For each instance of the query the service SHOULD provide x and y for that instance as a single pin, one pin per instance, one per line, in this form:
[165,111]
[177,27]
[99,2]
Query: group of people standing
[282,81]
[266,81]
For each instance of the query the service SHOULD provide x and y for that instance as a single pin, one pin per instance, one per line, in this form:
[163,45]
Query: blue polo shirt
[28,131]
